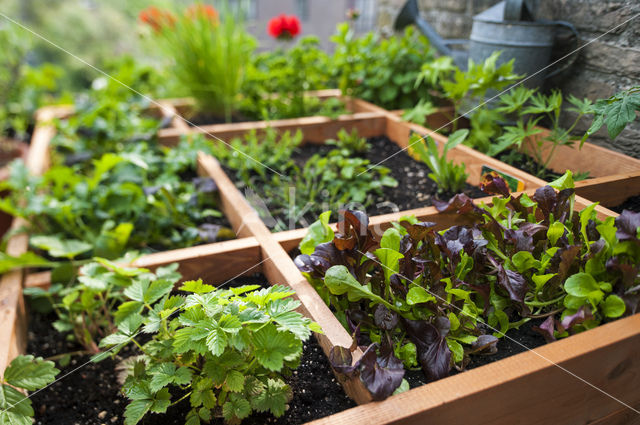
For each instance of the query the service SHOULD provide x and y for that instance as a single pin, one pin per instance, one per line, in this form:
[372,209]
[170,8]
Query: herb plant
[226,351]
[381,71]
[421,296]
[333,179]
[457,86]
[277,80]
[448,176]
[210,53]
[24,373]
[143,199]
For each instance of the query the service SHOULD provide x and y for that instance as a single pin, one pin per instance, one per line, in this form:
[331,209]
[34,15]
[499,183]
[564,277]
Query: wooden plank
[610,191]
[214,263]
[525,388]
[598,161]
[279,269]
[315,129]
[399,131]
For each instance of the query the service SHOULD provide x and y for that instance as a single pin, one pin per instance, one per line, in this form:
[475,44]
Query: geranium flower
[156,18]
[203,11]
[284,27]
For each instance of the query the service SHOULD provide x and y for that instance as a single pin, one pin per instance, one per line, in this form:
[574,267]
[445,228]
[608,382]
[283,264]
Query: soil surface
[527,164]
[414,190]
[631,204]
[91,395]
[516,341]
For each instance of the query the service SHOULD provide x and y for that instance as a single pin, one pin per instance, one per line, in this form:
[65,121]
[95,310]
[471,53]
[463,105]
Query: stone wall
[603,67]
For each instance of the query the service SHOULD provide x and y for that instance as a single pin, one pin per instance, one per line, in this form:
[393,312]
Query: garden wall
[603,68]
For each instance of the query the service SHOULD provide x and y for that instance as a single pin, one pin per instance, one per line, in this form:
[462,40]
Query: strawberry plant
[433,298]
[130,200]
[24,373]
[86,308]
[226,351]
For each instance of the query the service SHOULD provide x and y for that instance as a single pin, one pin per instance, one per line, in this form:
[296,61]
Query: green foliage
[210,57]
[350,142]
[249,155]
[526,109]
[448,176]
[276,82]
[381,71]
[225,350]
[615,112]
[521,258]
[334,179]
[23,373]
[136,199]
[22,88]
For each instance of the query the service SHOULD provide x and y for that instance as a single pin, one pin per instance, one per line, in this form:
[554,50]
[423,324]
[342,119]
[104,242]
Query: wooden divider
[316,129]
[279,269]
[598,161]
[610,191]
[13,320]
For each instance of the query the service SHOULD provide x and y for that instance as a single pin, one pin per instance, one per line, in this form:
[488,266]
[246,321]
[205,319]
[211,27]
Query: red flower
[284,27]
[156,18]
[203,11]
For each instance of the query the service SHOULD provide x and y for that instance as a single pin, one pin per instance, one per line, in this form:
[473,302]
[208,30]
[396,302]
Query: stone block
[450,5]
[613,59]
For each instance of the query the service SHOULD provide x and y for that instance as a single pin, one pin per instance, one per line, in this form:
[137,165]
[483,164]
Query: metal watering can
[509,27]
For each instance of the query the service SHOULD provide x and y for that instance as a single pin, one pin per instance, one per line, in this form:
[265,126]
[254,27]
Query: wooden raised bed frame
[614,176]
[525,388]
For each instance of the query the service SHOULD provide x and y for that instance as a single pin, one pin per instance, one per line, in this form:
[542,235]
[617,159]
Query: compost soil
[527,164]
[91,394]
[631,204]
[414,190]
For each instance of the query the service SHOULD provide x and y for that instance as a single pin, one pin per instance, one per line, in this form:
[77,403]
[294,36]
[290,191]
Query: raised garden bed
[519,385]
[605,167]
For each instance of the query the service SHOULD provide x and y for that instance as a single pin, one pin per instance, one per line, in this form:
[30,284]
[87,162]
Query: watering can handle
[573,54]
[512,10]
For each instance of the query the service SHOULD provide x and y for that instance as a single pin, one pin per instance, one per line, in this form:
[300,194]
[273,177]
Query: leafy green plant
[379,70]
[350,142]
[23,88]
[87,306]
[210,53]
[277,80]
[132,200]
[334,179]
[24,373]
[616,112]
[528,109]
[457,86]
[448,176]
[435,297]
[269,149]
[226,351]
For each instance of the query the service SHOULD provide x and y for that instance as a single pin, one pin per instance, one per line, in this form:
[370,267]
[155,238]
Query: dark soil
[414,189]
[631,204]
[90,395]
[516,341]
[527,164]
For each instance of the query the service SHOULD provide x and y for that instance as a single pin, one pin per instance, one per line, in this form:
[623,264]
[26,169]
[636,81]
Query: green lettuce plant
[433,298]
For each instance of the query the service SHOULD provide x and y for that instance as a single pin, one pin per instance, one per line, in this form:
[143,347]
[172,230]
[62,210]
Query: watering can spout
[410,15]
